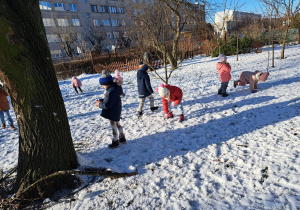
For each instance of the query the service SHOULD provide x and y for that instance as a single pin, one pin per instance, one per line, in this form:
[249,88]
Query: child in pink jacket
[251,78]
[76,83]
[224,69]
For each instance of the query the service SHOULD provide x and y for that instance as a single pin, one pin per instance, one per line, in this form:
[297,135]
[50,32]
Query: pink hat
[264,76]
[222,58]
[118,75]
[162,90]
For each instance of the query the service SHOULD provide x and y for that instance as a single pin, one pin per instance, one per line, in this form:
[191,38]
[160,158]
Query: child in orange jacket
[171,95]
[224,69]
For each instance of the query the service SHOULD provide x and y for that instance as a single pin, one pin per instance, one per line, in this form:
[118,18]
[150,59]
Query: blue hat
[106,78]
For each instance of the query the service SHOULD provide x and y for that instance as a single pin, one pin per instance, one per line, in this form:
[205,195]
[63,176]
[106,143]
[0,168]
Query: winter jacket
[224,71]
[248,77]
[175,96]
[4,105]
[111,105]
[75,82]
[143,80]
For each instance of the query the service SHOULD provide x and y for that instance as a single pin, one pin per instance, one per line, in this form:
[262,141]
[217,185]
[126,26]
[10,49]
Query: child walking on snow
[76,83]
[224,69]
[144,88]
[171,95]
[251,78]
[111,107]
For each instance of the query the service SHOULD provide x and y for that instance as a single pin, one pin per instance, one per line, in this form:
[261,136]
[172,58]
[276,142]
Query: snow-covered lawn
[239,152]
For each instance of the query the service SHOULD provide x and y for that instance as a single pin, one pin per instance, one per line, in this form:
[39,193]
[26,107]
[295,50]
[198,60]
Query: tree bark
[283,43]
[26,68]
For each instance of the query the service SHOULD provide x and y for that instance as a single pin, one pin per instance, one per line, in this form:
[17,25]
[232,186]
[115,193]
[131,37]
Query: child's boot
[224,95]
[3,125]
[154,108]
[181,118]
[113,145]
[235,83]
[122,140]
[140,114]
[12,127]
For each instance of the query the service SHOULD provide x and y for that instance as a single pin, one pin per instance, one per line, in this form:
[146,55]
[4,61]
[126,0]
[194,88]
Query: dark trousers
[223,87]
[76,89]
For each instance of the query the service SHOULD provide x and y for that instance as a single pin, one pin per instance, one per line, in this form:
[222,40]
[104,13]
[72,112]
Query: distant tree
[26,68]
[286,11]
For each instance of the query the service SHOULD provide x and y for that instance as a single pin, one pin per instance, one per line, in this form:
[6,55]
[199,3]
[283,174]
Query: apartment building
[78,20]
[229,20]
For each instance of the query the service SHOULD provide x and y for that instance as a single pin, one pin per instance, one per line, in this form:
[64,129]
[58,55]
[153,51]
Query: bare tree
[26,68]
[286,11]
[159,24]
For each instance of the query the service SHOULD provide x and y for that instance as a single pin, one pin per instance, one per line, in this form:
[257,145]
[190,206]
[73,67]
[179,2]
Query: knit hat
[222,58]
[118,75]
[264,76]
[106,78]
[162,90]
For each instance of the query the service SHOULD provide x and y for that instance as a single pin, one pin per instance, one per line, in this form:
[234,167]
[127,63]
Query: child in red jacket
[224,69]
[171,95]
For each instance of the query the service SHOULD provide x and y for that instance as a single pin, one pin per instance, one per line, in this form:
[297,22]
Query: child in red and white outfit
[171,95]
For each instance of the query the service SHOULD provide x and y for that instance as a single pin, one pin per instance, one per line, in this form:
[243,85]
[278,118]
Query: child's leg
[224,87]
[2,117]
[220,89]
[114,130]
[120,129]
[141,105]
[80,89]
[9,117]
[75,89]
[180,108]
[151,98]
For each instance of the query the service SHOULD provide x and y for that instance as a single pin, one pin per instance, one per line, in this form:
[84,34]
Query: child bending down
[76,83]
[171,95]
[111,107]
[251,78]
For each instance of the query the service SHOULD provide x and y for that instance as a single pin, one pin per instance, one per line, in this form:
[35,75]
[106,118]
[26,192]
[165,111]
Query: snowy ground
[239,152]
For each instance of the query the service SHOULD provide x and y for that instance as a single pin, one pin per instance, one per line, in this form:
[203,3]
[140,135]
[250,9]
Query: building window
[114,22]
[94,8]
[56,53]
[113,9]
[73,7]
[75,22]
[52,38]
[96,22]
[44,5]
[59,6]
[62,22]
[109,35]
[121,10]
[117,35]
[103,9]
[87,15]
[106,22]
[48,22]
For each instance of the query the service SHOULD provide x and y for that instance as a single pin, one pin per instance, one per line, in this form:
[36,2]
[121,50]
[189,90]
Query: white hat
[162,91]
[222,58]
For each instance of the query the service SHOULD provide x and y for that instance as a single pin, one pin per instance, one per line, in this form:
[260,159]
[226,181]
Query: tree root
[28,196]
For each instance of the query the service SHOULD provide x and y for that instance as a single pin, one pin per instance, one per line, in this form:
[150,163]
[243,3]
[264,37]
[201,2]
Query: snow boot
[154,108]
[122,140]
[3,125]
[12,127]
[235,83]
[181,118]
[114,144]
[219,93]
[225,94]
[140,114]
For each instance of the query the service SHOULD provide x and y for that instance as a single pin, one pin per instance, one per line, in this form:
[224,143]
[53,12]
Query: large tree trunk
[45,142]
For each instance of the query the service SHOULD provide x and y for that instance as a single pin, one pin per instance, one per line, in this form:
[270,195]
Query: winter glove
[254,91]
[170,115]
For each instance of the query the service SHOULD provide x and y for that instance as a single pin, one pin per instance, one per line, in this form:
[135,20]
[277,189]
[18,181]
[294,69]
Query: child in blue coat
[144,88]
[111,107]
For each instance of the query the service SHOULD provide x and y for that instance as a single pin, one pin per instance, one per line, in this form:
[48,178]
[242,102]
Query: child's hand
[173,104]
[97,103]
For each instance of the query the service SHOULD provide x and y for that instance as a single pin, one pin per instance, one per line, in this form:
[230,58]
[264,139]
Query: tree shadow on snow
[178,142]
